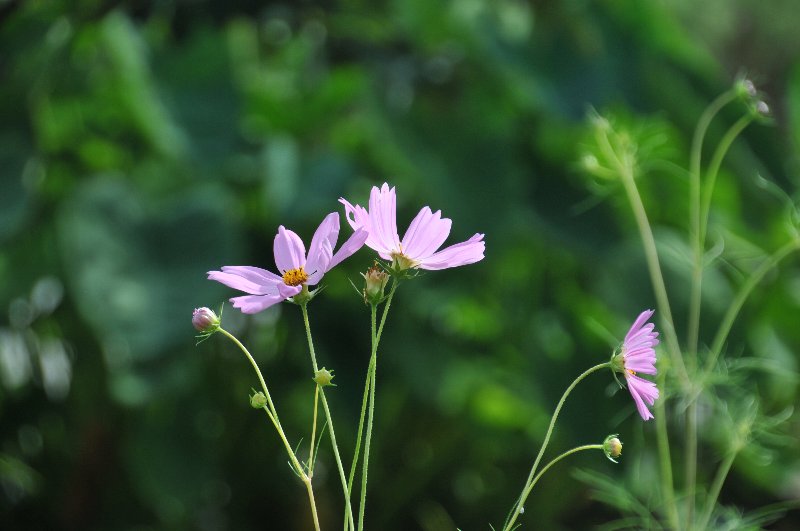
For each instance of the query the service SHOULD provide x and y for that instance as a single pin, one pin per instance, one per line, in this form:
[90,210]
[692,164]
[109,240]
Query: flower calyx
[612,447]
[324,377]
[258,400]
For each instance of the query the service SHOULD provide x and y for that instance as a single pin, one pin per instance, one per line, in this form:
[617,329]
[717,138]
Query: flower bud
[205,320]
[375,280]
[745,89]
[323,377]
[762,108]
[258,400]
[612,447]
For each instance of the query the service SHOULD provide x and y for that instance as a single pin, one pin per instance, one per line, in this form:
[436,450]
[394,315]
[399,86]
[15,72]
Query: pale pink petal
[255,303]
[463,253]
[321,249]
[255,274]
[643,391]
[353,244]
[426,234]
[358,218]
[289,291]
[239,277]
[383,216]
[643,317]
[290,253]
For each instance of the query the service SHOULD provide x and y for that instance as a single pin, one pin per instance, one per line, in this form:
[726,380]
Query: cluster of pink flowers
[376,227]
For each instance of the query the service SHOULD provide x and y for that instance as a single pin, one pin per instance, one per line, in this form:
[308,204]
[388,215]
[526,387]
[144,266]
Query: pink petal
[255,303]
[358,218]
[463,253]
[383,216]
[643,317]
[642,391]
[245,279]
[353,244]
[321,249]
[290,253]
[427,232]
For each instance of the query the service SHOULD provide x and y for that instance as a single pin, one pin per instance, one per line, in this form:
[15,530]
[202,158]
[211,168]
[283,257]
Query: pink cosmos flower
[295,267]
[420,244]
[638,356]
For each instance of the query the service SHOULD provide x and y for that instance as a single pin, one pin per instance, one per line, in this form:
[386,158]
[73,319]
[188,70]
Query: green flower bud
[375,280]
[612,447]
[258,400]
[323,377]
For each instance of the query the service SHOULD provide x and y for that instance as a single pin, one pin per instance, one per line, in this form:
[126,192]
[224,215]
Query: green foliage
[143,144]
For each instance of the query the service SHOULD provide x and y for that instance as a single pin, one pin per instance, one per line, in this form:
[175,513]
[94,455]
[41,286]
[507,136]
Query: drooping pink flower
[638,355]
[295,267]
[420,244]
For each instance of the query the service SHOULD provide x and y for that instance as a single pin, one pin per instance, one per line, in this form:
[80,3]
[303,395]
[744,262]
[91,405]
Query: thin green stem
[694,212]
[364,401]
[310,491]
[238,343]
[626,171]
[373,362]
[664,457]
[272,413]
[313,433]
[546,441]
[741,297]
[716,488]
[328,417]
[526,492]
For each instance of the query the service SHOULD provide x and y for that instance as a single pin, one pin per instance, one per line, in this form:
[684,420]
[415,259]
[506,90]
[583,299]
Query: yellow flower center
[295,277]
[631,372]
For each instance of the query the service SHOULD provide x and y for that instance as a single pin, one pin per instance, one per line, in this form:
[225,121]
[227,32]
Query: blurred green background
[143,143]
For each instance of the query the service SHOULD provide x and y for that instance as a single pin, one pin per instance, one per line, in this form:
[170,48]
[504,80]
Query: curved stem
[371,377]
[741,297]
[529,487]
[272,413]
[553,419]
[694,212]
[665,459]
[328,417]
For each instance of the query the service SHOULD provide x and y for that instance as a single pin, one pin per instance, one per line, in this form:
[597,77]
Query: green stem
[664,457]
[625,168]
[313,433]
[694,212]
[364,401]
[328,417]
[373,362]
[716,488]
[741,297]
[272,413]
[553,419]
[310,491]
[529,488]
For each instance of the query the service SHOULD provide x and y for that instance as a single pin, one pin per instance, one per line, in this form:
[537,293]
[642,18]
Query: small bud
[258,400]
[375,280]
[323,377]
[612,447]
[745,89]
[205,320]
[762,108]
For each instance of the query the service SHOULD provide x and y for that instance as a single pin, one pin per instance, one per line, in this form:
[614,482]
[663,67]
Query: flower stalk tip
[258,400]
[375,280]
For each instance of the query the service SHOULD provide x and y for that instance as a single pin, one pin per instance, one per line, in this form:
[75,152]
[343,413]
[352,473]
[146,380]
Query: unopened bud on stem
[612,447]
[205,320]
